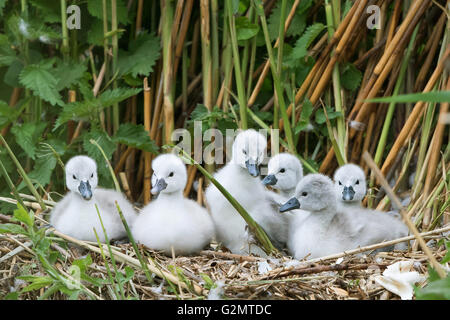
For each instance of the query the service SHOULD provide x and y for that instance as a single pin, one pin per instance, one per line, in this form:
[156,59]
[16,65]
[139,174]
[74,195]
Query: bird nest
[213,274]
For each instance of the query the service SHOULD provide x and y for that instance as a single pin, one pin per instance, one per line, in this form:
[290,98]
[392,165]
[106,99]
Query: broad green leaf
[298,23]
[22,215]
[140,57]
[436,290]
[83,263]
[12,228]
[40,79]
[95,35]
[110,97]
[350,77]
[95,8]
[301,46]
[435,96]
[27,136]
[48,10]
[36,282]
[135,136]
[46,161]
[68,73]
[321,118]
[245,29]
[89,109]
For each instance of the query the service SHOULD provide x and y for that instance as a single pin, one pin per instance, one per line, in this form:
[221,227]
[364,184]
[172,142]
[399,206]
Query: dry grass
[238,277]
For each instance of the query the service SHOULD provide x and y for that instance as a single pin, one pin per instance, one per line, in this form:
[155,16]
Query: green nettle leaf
[245,29]
[89,109]
[95,35]
[49,12]
[135,136]
[40,78]
[141,56]
[68,73]
[46,161]
[301,46]
[216,117]
[298,23]
[350,77]
[110,97]
[95,8]
[321,118]
[27,136]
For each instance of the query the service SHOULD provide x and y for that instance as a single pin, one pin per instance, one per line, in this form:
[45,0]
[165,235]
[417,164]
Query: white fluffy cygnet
[75,215]
[172,221]
[330,228]
[350,185]
[284,173]
[240,178]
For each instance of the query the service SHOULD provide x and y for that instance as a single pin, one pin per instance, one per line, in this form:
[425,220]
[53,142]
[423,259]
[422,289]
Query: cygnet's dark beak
[290,205]
[252,168]
[159,186]
[348,193]
[270,180]
[85,190]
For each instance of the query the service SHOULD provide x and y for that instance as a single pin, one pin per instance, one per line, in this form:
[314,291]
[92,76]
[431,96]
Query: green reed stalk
[115,52]
[227,60]
[390,114]
[11,184]
[65,32]
[23,174]
[113,261]
[276,79]
[279,60]
[332,17]
[237,66]
[215,48]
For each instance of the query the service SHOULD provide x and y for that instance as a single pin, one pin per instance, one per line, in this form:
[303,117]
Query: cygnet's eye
[340,183]
[171,174]
[73,176]
[357,182]
[243,151]
[304,194]
[92,175]
[282,170]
